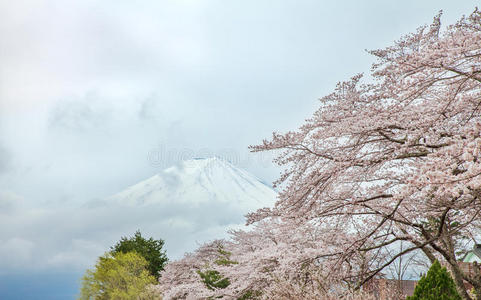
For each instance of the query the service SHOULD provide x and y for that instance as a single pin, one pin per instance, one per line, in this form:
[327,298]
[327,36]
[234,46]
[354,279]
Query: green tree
[149,249]
[436,285]
[213,279]
[120,276]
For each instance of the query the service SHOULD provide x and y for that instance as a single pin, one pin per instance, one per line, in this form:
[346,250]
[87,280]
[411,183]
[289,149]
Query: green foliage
[250,295]
[436,285]
[149,249]
[213,279]
[120,276]
[224,259]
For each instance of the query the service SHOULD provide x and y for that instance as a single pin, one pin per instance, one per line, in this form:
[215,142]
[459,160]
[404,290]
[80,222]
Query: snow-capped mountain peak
[198,181]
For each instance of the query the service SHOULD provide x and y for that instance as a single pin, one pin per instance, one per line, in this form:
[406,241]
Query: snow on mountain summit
[198,181]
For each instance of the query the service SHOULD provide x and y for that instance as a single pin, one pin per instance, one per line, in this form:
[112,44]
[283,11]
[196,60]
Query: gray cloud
[78,115]
[150,108]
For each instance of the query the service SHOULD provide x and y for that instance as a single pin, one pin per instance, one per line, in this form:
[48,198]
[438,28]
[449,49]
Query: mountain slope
[200,181]
[190,203]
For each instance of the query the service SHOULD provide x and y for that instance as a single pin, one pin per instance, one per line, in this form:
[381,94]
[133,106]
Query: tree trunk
[458,280]
[477,280]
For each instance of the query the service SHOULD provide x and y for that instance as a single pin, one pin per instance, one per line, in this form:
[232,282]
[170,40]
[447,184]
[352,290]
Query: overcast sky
[98,95]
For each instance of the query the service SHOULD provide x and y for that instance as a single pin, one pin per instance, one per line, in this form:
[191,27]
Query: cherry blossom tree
[273,260]
[394,157]
[389,158]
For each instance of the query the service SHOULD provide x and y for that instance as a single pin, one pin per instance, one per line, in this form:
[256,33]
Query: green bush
[437,284]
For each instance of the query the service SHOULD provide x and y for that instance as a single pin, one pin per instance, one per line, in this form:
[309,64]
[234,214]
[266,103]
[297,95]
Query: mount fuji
[190,203]
[200,181]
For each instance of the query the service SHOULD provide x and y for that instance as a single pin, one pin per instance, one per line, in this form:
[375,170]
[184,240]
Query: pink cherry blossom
[388,158]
